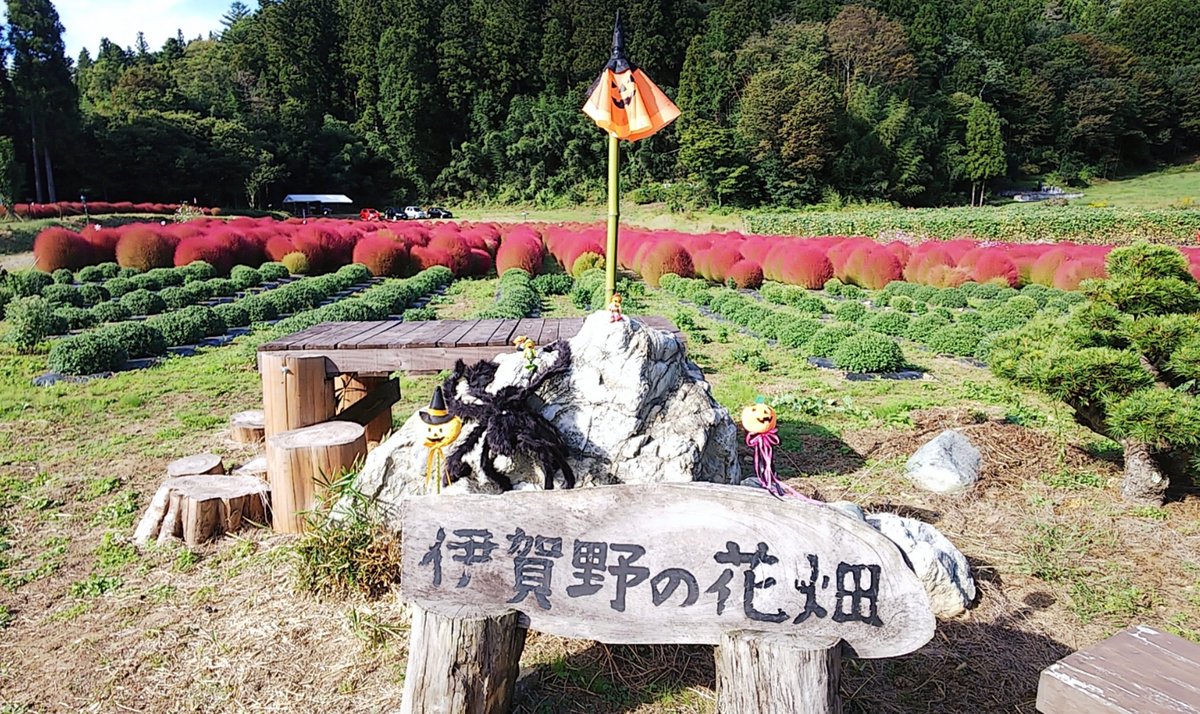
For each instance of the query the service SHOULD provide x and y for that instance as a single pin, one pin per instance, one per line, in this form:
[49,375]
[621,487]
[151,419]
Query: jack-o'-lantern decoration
[758,417]
[441,429]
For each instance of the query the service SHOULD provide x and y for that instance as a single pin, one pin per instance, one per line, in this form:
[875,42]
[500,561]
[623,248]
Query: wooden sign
[667,563]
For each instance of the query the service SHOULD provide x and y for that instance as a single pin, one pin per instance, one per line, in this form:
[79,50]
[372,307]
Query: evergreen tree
[984,157]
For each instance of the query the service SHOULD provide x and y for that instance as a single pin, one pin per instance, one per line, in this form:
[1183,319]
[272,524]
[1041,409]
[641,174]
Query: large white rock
[631,408]
[949,463]
[940,567]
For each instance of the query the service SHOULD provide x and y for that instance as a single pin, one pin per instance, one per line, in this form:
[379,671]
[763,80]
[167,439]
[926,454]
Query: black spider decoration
[508,424]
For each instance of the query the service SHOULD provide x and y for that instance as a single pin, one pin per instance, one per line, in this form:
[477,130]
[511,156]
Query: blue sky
[86,21]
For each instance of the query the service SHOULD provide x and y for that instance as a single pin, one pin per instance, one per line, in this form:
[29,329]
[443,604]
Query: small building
[315,204]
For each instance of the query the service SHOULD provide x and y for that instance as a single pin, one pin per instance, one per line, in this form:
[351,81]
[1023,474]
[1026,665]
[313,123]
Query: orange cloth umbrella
[623,101]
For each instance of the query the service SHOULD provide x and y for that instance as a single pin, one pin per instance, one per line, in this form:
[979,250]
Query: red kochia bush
[667,257]
[427,257]
[872,267]
[212,250]
[382,256]
[925,259]
[56,248]
[142,248]
[1046,267]
[279,246]
[746,274]
[454,246]
[720,259]
[1073,272]
[103,242]
[520,250]
[994,267]
[808,267]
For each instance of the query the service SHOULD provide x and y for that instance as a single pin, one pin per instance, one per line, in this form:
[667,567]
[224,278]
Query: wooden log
[758,675]
[353,389]
[301,460]
[256,467]
[296,392]
[195,465]
[248,427]
[201,507]
[462,665]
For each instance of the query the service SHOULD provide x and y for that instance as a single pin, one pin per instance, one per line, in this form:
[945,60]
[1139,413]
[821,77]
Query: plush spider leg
[455,468]
[490,470]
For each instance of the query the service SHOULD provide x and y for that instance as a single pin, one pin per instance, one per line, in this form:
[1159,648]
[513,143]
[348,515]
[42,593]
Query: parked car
[439,212]
[413,212]
[392,213]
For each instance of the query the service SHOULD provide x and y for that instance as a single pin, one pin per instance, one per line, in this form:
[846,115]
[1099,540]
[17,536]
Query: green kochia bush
[889,322]
[29,283]
[903,303]
[89,353]
[849,312]
[137,338]
[797,331]
[925,325]
[949,297]
[959,339]
[31,320]
[189,325]
[244,277]
[118,287]
[62,276]
[273,271]
[111,311]
[257,309]
[143,302]
[868,351]
[554,283]
[517,298]
[232,314]
[1123,361]
[825,340]
[92,295]
[75,318]
[62,296]
[175,298]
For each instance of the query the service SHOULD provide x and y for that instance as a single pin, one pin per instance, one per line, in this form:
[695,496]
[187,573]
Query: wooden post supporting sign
[775,584]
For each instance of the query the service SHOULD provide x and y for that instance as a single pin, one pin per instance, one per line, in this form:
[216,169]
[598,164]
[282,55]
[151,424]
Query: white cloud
[87,21]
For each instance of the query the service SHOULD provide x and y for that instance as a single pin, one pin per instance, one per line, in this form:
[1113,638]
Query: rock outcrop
[940,567]
[949,463]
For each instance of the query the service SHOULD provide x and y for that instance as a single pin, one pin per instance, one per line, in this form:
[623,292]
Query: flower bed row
[94,208]
[110,347]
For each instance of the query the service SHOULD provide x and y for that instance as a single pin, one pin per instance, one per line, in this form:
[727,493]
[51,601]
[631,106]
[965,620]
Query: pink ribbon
[763,445]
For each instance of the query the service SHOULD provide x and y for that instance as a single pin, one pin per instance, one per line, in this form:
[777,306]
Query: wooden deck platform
[380,348]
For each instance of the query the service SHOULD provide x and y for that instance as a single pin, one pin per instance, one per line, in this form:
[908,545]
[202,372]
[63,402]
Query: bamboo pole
[614,215]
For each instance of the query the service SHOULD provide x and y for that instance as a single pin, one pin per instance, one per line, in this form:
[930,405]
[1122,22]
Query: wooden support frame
[367,401]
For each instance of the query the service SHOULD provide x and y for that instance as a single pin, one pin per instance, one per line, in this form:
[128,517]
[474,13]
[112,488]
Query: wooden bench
[1140,670]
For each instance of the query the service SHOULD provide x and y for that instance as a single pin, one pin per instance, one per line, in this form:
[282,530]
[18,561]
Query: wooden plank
[504,333]
[666,563]
[460,329]
[340,331]
[550,331]
[1140,669]
[377,400]
[480,334]
[395,335]
[568,327]
[428,334]
[531,327]
[294,340]
[370,329]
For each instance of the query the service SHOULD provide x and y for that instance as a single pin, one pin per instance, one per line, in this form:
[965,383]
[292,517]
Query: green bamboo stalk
[614,215]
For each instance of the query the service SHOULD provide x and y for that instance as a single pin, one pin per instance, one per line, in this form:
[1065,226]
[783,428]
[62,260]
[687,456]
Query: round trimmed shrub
[925,325]
[244,277]
[868,352]
[111,311]
[825,340]
[28,283]
[903,303]
[127,272]
[258,309]
[31,319]
[667,257]
[75,318]
[62,296]
[90,274]
[189,325]
[117,287]
[949,297]
[146,281]
[924,293]
[554,283]
[383,256]
[233,314]
[57,248]
[175,298]
[143,302]
[889,322]
[852,292]
[62,276]
[109,270]
[960,339]
[91,295]
[296,263]
[849,312]
[137,338]
[352,310]
[197,291]
[796,331]
[198,270]
[273,271]
[807,267]
[168,277]
[221,287]
[89,353]
[214,251]
[746,274]
[140,247]
[833,286]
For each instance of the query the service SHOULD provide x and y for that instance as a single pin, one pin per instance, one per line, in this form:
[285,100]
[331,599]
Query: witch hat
[437,412]
[618,62]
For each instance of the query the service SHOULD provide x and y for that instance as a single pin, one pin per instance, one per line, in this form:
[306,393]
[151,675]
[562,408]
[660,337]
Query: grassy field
[651,215]
[1176,187]
[91,624]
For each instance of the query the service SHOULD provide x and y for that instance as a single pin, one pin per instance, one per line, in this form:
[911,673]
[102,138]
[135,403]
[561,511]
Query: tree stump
[248,427]
[300,460]
[256,467]
[350,389]
[196,465]
[757,675]
[462,665]
[199,508]
[296,392]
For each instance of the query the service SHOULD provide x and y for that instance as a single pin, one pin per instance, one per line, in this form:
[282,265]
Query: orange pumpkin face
[758,418]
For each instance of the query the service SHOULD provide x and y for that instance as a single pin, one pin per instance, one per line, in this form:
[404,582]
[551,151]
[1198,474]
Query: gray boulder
[949,463]
[940,567]
[631,408]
